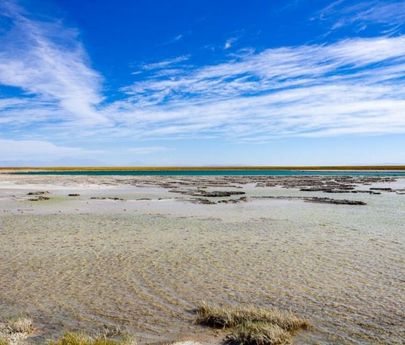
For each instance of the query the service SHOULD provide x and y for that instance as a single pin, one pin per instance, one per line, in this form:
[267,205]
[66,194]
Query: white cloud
[164,64]
[229,42]
[37,149]
[178,37]
[146,150]
[46,61]
[175,39]
[46,153]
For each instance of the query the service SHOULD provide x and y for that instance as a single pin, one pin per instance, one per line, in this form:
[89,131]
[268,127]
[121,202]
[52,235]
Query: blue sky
[147,82]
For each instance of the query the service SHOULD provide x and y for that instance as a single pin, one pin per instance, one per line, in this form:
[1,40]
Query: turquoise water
[244,172]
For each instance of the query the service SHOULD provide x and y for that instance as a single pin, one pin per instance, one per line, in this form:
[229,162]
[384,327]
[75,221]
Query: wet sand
[143,261]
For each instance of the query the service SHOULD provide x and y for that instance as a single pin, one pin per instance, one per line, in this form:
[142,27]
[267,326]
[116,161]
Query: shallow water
[144,269]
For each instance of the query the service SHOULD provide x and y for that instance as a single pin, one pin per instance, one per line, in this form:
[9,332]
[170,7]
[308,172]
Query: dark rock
[366,192]
[203,201]
[38,193]
[217,194]
[334,201]
[314,199]
[105,198]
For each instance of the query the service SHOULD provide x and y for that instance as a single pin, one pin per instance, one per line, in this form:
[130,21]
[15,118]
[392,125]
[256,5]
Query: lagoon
[216,172]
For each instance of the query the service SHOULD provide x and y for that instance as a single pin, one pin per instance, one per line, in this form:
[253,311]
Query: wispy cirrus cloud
[169,63]
[46,61]
[352,86]
[390,14]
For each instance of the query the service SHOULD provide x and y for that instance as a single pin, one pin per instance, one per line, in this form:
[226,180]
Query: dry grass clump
[227,317]
[72,338]
[20,325]
[109,331]
[259,333]
[252,326]
[15,330]
[4,341]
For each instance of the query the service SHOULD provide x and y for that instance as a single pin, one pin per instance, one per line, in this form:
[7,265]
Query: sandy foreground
[139,253]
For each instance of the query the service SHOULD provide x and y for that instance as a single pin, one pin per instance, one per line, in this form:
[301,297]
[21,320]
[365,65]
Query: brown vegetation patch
[228,317]
[72,338]
[259,333]
[251,325]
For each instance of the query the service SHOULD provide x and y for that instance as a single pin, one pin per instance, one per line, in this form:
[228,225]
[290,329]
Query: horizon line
[208,167]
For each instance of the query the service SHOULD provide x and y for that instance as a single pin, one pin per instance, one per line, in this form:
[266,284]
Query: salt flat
[141,252]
